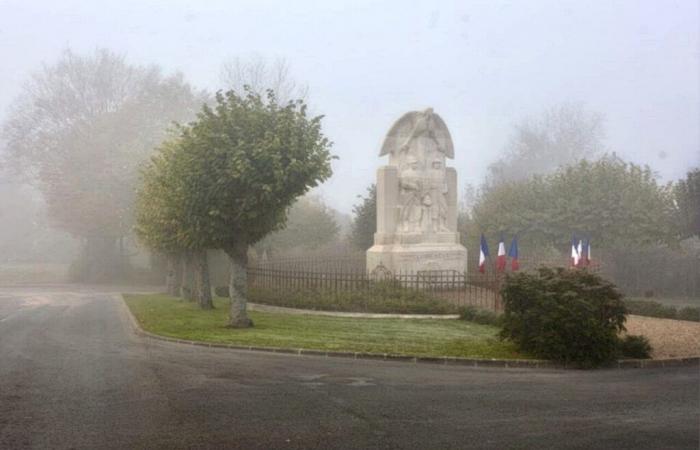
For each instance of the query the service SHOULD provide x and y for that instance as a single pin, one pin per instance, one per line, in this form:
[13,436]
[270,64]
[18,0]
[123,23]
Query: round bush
[570,316]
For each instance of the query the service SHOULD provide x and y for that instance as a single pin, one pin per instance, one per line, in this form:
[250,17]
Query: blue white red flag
[513,253]
[586,256]
[501,258]
[574,252]
[581,256]
[483,254]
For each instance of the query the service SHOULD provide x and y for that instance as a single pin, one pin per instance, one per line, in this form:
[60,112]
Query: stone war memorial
[417,200]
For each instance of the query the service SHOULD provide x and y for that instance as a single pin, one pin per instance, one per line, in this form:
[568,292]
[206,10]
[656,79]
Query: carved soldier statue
[416,198]
[418,144]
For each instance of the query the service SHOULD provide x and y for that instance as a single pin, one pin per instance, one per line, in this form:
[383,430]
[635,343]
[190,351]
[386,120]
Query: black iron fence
[653,273]
[337,279]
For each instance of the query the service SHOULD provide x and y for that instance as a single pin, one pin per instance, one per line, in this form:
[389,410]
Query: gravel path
[668,338]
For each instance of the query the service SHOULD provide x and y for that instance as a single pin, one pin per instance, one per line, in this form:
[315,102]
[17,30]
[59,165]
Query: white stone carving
[417,199]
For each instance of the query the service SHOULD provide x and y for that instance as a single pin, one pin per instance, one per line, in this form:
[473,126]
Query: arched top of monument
[414,124]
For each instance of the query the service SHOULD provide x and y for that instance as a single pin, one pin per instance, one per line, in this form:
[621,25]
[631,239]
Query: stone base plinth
[398,258]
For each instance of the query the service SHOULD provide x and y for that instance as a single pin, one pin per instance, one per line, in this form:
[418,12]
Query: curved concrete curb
[313,312]
[444,360]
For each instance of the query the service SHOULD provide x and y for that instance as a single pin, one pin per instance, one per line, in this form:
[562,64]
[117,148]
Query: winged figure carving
[415,124]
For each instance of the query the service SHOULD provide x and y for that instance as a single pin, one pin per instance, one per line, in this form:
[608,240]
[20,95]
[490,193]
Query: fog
[485,67]
[349,224]
[482,65]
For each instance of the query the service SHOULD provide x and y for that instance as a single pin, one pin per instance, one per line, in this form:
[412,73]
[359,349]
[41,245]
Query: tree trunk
[237,286]
[177,266]
[202,279]
[187,277]
[170,277]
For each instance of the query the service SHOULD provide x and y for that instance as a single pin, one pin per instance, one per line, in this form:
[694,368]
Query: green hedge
[689,313]
[381,297]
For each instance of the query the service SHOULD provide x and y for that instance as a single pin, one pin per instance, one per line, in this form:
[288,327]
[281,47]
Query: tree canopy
[364,223]
[310,224]
[231,177]
[81,129]
[562,135]
[687,195]
[613,202]
[247,160]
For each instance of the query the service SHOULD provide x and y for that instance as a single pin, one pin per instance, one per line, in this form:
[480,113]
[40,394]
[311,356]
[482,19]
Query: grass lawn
[169,316]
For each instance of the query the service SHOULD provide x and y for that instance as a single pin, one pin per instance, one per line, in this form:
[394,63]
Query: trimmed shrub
[650,308]
[221,291]
[570,316]
[636,347]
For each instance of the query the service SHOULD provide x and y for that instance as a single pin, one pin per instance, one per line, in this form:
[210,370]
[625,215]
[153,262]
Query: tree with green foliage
[364,224]
[613,202]
[310,224]
[687,196]
[156,225]
[159,216]
[247,159]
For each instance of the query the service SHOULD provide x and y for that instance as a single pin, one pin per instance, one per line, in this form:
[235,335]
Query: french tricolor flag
[586,255]
[581,257]
[513,253]
[483,254]
[501,258]
[574,253]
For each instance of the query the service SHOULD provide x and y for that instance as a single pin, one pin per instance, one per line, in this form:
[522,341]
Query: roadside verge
[444,360]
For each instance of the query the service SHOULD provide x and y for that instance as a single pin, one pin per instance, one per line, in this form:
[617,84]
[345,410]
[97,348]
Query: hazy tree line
[26,235]
[84,128]
[79,132]
[638,226]
[78,135]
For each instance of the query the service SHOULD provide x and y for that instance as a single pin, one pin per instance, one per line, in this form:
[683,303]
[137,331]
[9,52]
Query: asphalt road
[73,374]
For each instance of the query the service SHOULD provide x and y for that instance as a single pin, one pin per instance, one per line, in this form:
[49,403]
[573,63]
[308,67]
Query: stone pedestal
[417,200]
[418,258]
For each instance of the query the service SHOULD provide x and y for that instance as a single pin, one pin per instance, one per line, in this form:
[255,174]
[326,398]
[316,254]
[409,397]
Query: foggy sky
[481,65]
